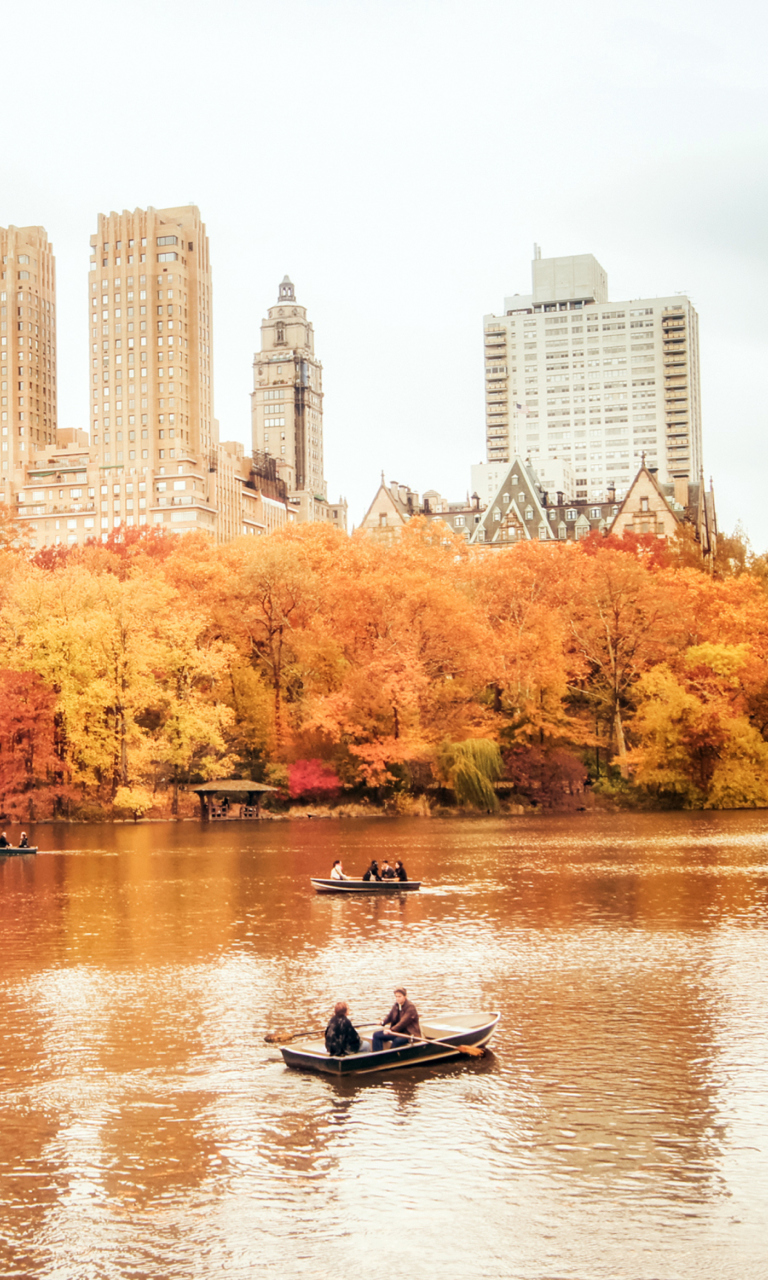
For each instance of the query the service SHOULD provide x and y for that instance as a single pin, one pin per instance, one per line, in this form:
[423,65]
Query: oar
[282,1037]
[474,1050]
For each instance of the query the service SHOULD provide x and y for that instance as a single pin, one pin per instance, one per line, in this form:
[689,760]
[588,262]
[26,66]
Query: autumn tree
[32,775]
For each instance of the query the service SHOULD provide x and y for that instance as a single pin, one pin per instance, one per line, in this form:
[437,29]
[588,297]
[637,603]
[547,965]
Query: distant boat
[451,1029]
[11,849]
[365,886]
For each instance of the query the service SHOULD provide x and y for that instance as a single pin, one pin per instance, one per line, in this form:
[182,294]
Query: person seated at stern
[403,1021]
[337,872]
[341,1037]
[400,871]
[4,841]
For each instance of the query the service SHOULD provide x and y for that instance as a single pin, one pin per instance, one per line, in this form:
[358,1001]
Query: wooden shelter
[218,798]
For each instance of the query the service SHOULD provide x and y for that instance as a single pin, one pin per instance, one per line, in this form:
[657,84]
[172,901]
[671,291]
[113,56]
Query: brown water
[620,1128]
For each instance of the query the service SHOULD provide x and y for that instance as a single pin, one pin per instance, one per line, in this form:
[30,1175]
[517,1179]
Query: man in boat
[387,872]
[341,1037]
[337,872]
[4,841]
[403,1021]
[400,870]
[373,871]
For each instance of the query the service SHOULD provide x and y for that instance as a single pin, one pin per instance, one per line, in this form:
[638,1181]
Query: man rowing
[402,1020]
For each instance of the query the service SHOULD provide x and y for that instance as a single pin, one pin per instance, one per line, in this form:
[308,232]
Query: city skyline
[636,146]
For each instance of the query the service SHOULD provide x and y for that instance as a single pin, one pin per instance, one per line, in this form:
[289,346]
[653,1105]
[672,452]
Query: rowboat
[10,849]
[451,1029]
[365,886]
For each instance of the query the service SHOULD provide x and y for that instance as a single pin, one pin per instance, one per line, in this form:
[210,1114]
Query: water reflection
[146,1128]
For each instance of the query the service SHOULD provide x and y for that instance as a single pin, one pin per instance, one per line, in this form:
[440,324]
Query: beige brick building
[287,407]
[27,348]
[150,328]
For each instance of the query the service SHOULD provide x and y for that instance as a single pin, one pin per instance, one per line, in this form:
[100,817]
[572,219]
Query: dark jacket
[341,1037]
[4,844]
[401,872]
[389,874]
[373,872]
[404,1020]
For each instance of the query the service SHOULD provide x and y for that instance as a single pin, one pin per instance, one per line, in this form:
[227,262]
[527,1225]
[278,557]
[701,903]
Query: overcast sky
[398,160]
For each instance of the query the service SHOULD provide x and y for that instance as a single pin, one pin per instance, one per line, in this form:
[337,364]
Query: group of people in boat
[399,1026]
[5,843]
[374,872]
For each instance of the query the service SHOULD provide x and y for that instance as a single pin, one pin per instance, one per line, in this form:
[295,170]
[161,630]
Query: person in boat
[373,871]
[387,872]
[23,841]
[402,1020]
[336,871]
[4,841]
[400,871]
[341,1037]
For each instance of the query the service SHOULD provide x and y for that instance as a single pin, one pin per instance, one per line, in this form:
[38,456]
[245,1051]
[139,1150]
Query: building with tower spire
[287,407]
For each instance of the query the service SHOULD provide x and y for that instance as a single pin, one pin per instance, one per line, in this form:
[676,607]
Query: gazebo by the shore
[216,797]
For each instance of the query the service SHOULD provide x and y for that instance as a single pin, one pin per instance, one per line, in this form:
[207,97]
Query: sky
[398,161]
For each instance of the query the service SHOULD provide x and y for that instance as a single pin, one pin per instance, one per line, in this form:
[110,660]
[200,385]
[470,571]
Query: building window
[571,514]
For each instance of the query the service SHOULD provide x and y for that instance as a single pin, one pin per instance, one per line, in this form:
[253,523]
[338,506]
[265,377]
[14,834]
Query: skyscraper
[150,328]
[287,402]
[595,384]
[27,346]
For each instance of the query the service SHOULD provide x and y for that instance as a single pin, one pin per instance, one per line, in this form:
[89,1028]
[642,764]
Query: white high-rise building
[592,383]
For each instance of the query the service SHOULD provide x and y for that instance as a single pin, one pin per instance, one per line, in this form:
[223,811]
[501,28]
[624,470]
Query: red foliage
[652,551]
[30,770]
[119,549]
[312,780]
[550,778]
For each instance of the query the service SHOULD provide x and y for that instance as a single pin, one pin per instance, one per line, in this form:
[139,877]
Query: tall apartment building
[27,347]
[150,314]
[287,406]
[594,384]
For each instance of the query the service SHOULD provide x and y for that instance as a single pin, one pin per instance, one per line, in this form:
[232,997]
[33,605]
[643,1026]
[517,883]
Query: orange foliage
[370,657]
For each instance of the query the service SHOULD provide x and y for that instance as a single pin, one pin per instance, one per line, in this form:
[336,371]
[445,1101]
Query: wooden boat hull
[365,886]
[453,1029]
[10,851]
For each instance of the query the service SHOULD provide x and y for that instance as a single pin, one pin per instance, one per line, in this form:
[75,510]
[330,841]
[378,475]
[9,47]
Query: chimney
[611,491]
[681,491]
[560,498]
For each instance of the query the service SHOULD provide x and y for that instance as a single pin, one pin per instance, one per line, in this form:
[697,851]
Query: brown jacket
[404,1019]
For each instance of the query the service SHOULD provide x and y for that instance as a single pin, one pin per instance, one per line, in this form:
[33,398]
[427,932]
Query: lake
[619,1128]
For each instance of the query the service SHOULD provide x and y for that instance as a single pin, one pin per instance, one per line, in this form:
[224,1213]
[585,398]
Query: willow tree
[470,769]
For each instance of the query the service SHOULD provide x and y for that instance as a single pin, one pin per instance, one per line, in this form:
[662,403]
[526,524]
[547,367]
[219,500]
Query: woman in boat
[341,1037]
[23,841]
[400,870]
[373,871]
[337,872]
